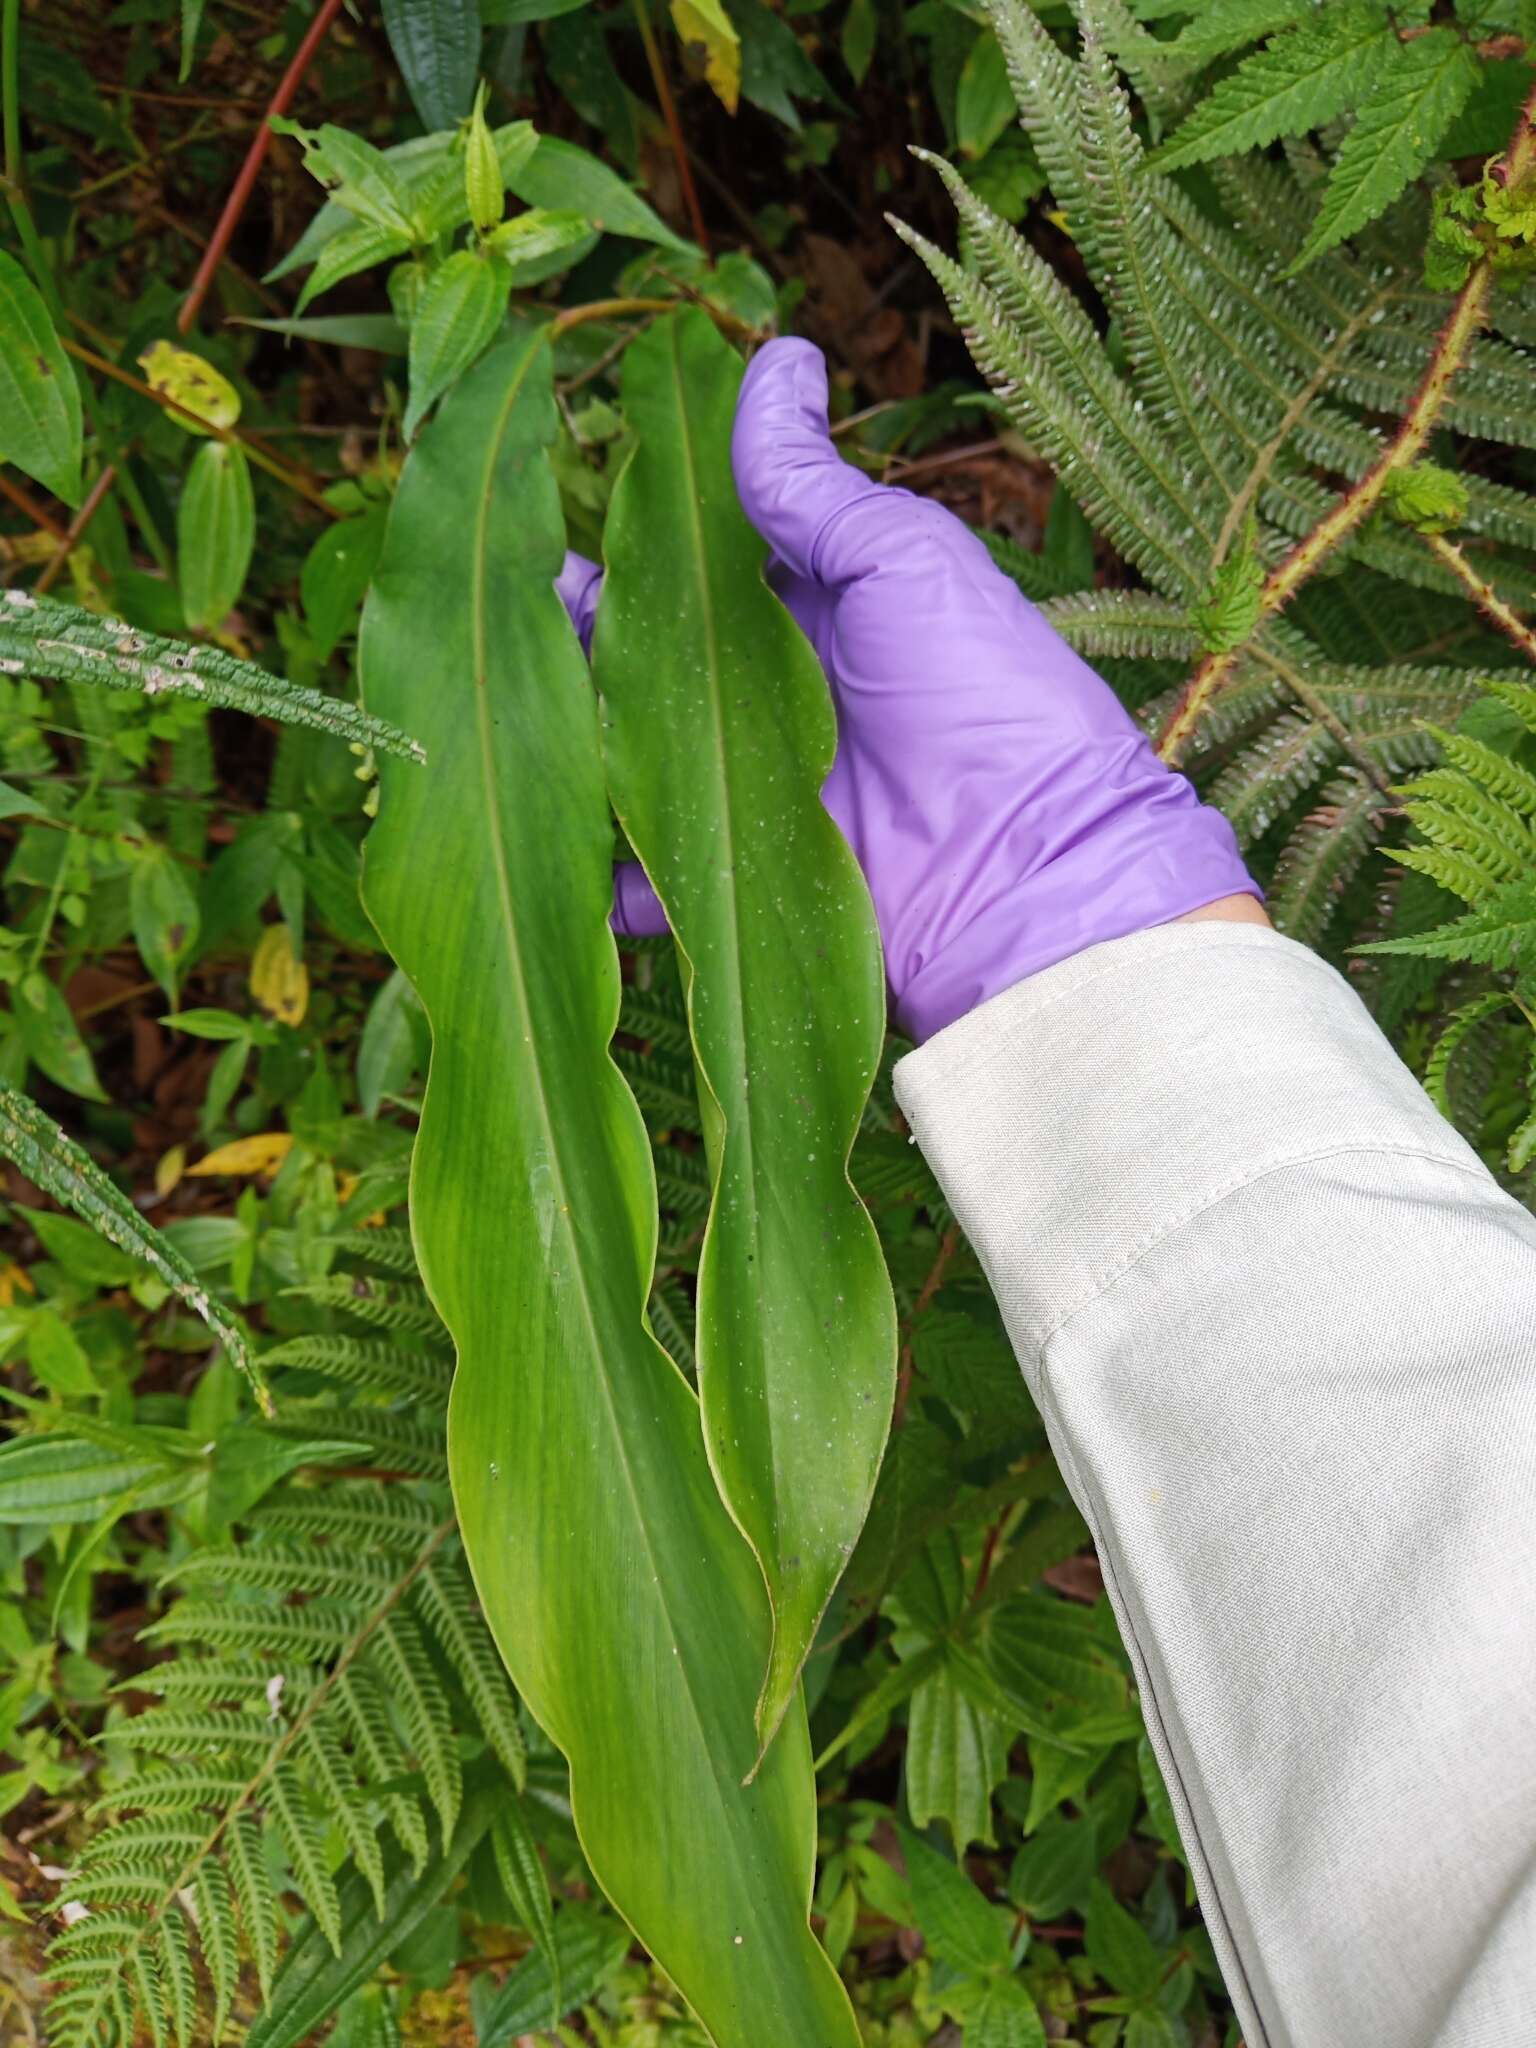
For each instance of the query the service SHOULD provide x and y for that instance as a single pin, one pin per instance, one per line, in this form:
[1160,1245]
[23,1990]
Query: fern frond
[399,1657]
[398,1440]
[384,1246]
[1477,827]
[385,1304]
[1323,854]
[1458,1033]
[1450,869]
[252,1887]
[60,643]
[360,1705]
[174,1959]
[355,1577]
[1123,239]
[672,1324]
[299,1834]
[1298,81]
[336,1783]
[1119,494]
[398,1519]
[1111,624]
[1031,293]
[361,1362]
[444,1596]
[213,1904]
[1272,774]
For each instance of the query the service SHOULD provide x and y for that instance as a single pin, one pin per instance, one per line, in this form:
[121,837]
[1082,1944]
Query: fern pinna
[1233,435]
[325,1668]
[1474,820]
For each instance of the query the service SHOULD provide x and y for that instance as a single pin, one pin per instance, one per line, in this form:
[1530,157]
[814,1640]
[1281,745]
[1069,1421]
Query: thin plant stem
[95,499]
[255,156]
[653,58]
[25,503]
[305,486]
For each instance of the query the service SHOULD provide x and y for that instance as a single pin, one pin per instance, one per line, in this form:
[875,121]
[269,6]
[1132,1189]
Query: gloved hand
[1005,808]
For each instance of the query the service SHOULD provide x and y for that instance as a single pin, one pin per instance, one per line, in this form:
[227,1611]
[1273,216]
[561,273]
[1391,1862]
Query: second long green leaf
[718,733]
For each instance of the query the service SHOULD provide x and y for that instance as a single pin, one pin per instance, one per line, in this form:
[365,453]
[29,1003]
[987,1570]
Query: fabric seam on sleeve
[1250,1175]
[964,1063]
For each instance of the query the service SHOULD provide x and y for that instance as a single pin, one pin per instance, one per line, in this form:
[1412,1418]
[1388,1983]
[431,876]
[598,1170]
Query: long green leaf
[64,644]
[436,43]
[40,424]
[629,1611]
[54,1162]
[215,532]
[718,735]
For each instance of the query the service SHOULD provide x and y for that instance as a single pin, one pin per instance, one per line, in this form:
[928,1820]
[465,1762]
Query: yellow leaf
[13,1280]
[263,1153]
[169,1168]
[706,22]
[176,373]
[279,982]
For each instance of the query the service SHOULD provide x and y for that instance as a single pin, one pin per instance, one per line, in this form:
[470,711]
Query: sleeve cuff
[1082,1115]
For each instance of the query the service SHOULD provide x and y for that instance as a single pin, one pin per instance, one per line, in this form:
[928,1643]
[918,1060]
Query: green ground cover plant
[505,1533]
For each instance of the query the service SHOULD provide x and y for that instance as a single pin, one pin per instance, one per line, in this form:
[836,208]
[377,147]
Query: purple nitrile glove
[1005,808]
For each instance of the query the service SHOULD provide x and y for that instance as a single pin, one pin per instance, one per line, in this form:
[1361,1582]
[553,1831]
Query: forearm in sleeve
[1281,1324]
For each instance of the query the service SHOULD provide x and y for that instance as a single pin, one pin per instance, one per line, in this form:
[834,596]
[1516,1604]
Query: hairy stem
[1487,600]
[1347,513]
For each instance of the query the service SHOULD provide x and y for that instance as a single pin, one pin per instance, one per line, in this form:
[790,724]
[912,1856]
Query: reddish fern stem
[255,156]
[1341,519]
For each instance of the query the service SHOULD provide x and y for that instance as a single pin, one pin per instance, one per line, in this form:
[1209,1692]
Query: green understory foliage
[251,1697]
[1211,429]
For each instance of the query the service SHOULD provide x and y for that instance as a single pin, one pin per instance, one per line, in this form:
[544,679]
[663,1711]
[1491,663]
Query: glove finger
[828,522]
[578,586]
[790,478]
[637,911]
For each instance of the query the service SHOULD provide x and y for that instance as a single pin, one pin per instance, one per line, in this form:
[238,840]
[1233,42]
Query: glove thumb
[789,477]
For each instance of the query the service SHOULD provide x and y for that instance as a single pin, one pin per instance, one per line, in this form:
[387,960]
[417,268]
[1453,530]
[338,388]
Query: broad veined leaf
[1412,103]
[718,735]
[957,1754]
[336,573]
[560,175]
[215,532]
[706,23]
[461,308]
[356,245]
[637,1628]
[363,179]
[957,1923]
[528,239]
[436,43]
[984,102]
[52,1038]
[40,425]
[163,906]
[190,380]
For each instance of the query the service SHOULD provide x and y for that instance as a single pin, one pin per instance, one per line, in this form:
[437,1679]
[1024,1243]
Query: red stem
[255,156]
